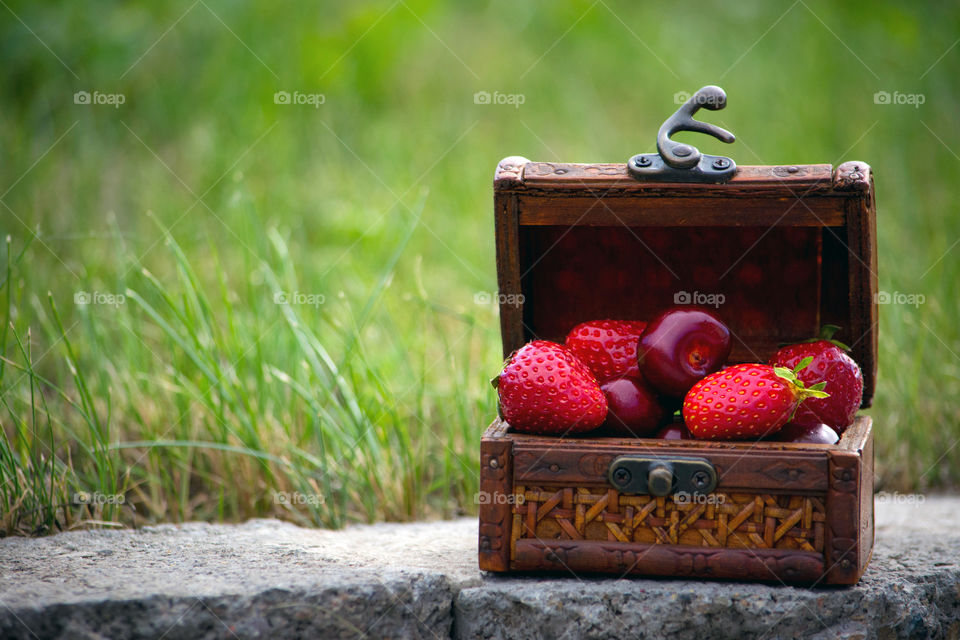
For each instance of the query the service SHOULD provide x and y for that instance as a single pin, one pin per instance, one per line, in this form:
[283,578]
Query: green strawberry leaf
[495,381]
[801,391]
[786,374]
[827,331]
[803,364]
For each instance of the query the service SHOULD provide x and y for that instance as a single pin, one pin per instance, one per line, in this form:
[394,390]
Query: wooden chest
[789,248]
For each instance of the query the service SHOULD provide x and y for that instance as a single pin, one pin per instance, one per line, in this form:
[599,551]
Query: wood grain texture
[613,272]
[496,482]
[857,436]
[620,558]
[613,178]
[687,211]
[843,518]
[858,441]
[580,462]
[865,536]
[861,247]
[509,255]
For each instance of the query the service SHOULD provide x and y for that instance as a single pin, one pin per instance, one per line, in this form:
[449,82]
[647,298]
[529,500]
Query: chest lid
[777,251]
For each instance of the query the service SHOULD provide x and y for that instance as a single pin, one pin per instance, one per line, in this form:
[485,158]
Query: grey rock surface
[911,590]
[268,579]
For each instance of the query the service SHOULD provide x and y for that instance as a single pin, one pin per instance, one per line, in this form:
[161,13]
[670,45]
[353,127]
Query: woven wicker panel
[735,520]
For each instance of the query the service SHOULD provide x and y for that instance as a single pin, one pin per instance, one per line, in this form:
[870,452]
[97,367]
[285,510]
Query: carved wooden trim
[496,485]
[853,176]
[509,172]
[668,560]
[843,519]
[786,522]
[581,462]
[749,181]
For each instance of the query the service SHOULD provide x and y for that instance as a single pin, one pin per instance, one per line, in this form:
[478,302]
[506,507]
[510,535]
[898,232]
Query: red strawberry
[832,365]
[545,389]
[745,401]
[608,347]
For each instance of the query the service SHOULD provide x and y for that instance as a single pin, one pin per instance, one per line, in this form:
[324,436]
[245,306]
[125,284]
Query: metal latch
[679,162]
[662,476]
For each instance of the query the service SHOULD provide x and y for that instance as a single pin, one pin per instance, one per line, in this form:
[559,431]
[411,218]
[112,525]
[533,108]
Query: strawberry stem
[800,390]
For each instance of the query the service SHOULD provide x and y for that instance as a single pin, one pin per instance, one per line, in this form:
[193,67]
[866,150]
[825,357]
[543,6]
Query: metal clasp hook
[680,162]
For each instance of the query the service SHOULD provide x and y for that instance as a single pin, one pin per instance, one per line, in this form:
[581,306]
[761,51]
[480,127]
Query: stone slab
[269,579]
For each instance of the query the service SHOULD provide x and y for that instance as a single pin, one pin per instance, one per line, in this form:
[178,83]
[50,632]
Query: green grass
[187,390]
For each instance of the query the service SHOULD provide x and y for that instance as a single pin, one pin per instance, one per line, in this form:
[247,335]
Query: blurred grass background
[194,395]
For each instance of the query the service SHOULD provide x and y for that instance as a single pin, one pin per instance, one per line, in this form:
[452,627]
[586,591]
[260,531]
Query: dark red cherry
[810,434]
[675,431]
[681,346]
[633,408]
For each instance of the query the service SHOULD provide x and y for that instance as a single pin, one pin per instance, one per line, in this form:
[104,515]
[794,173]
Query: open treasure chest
[778,252]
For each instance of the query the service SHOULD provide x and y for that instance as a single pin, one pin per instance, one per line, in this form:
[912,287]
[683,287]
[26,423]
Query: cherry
[633,408]
[681,346]
[674,431]
[810,434]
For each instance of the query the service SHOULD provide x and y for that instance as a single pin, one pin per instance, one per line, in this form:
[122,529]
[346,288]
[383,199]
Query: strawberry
[829,364]
[545,389]
[608,347]
[745,401]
